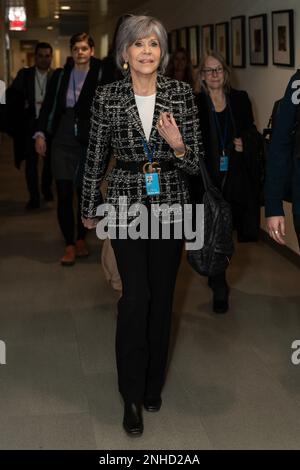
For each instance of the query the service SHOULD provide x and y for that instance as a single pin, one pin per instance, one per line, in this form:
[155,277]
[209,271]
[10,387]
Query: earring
[125,66]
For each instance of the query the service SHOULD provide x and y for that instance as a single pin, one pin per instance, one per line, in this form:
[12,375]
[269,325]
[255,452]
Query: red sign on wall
[17,18]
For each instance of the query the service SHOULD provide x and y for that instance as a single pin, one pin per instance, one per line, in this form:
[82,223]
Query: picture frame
[238,41]
[169,43]
[173,40]
[222,39]
[283,46]
[183,38]
[193,45]
[207,38]
[258,40]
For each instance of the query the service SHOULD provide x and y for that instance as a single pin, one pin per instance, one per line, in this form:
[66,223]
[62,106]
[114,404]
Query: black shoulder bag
[215,255]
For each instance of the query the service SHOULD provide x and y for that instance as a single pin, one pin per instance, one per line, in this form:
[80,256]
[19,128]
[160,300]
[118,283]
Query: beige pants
[108,260]
[109,265]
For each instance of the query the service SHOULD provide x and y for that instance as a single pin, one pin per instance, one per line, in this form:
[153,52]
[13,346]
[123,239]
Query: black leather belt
[137,167]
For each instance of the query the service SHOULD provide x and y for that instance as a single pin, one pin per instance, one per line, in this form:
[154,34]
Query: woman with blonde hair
[227,124]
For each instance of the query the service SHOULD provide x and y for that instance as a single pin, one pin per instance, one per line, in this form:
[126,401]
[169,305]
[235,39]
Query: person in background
[24,99]
[69,99]
[225,118]
[283,164]
[140,117]
[111,72]
[180,67]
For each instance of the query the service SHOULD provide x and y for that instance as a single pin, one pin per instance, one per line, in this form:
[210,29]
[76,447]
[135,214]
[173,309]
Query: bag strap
[100,73]
[207,182]
[50,118]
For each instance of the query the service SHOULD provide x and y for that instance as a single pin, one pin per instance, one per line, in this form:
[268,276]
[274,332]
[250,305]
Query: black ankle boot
[152,404]
[133,420]
[220,289]
[220,299]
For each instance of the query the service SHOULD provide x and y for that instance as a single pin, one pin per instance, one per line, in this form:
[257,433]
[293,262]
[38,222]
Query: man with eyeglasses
[24,100]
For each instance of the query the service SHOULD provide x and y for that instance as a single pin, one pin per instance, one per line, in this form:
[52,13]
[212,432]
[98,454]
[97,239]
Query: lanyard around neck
[222,137]
[42,86]
[76,98]
[148,151]
[74,88]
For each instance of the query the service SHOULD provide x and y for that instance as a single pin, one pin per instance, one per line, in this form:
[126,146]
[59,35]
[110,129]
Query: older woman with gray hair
[150,122]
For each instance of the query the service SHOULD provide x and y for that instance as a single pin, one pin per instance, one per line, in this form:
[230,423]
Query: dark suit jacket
[116,125]
[21,113]
[283,164]
[83,105]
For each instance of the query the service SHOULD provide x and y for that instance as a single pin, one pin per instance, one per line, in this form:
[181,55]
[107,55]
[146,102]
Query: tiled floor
[231,383]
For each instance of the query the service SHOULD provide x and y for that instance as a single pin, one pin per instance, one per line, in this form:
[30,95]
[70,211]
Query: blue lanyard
[74,88]
[148,151]
[223,138]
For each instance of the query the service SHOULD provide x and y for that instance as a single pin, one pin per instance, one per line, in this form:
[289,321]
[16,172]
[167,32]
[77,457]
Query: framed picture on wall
[207,38]
[169,43]
[193,44]
[222,39]
[238,41]
[173,40]
[283,37]
[183,38]
[258,40]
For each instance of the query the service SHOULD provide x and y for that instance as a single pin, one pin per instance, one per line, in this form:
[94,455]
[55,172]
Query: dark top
[241,119]
[281,165]
[225,133]
[240,184]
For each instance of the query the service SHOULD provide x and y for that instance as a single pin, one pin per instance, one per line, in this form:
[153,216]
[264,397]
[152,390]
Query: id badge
[152,184]
[224,163]
[76,128]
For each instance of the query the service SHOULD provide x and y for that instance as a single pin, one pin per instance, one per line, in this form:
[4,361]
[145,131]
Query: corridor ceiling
[41,12]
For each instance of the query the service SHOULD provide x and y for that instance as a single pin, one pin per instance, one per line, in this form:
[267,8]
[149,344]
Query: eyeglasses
[210,71]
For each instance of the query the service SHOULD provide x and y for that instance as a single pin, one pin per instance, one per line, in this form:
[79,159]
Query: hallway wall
[265,84]
[3,70]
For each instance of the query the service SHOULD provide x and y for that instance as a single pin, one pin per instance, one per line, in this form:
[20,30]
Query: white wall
[264,84]
[59,43]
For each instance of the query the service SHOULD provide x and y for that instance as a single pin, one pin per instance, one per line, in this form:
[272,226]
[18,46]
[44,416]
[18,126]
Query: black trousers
[148,269]
[297,227]
[65,212]
[31,173]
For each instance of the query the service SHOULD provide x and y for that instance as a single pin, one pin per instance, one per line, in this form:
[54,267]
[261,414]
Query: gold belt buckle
[149,167]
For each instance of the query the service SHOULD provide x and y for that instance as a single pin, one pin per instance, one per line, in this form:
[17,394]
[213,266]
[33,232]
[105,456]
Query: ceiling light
[56,17]
[50,28]
[65,7]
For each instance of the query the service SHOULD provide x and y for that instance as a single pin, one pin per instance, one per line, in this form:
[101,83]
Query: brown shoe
[81,249]
[69,256]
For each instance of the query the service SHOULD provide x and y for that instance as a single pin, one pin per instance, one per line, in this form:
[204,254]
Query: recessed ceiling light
[65,7]
[49,28]
[56,17]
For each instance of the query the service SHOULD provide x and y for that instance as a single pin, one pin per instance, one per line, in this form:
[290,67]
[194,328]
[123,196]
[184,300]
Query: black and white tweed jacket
[116,127]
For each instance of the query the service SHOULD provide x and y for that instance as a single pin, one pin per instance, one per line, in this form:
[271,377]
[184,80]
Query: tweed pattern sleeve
[98,154]
[187,118]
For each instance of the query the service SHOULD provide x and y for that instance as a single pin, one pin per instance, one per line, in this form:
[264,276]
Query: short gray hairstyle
[137,27]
